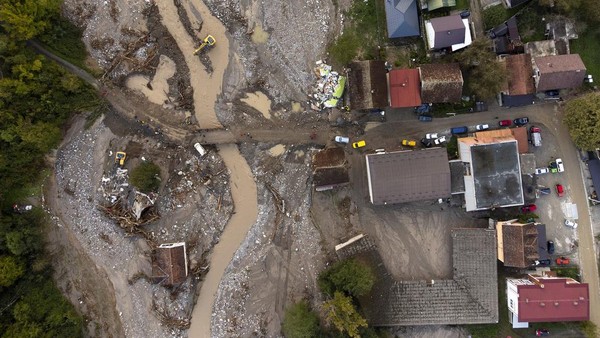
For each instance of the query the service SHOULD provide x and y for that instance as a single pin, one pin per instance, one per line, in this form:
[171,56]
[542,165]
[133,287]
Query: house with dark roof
[519,89]
[507,39]
[367,83]
[558,72]
[408,176]
[169,264]
[329,169]
[402,18]
[451,32]
[441,82]
[537,299]
[405,88]
[470,297]
[492,170]
[517,243]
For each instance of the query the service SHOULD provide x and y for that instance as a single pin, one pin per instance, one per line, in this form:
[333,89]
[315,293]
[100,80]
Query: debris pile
[329,88]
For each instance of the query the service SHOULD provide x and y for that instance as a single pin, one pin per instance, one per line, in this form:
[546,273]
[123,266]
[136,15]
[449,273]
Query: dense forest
[36,99]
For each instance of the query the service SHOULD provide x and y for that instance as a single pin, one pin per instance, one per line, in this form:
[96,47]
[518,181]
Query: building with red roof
[546,299]
[405,88]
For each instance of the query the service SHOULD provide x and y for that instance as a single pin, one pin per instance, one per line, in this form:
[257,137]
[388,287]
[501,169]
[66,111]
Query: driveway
[388,135]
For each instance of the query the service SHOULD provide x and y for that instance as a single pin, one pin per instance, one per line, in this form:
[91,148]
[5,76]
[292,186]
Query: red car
[505,123]
[560,190]
[562,261]
[528,208]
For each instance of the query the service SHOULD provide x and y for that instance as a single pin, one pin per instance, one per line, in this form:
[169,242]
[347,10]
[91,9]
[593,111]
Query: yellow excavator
[208,41]
[120,158]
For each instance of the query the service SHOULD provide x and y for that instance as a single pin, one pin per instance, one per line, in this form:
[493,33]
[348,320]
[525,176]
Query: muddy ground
[260,75]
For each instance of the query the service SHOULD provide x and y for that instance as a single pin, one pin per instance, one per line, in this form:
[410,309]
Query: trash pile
[130,208]
[330,87]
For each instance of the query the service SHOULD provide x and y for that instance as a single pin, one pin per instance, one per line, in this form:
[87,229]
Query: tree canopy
[300,321]
[341,313]
[485,74]
[146,177]
[582,117]
[349,276]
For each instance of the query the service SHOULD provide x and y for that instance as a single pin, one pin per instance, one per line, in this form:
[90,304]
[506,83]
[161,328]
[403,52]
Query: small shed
[169,264]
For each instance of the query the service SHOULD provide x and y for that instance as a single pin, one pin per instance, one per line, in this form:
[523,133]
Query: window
[511,304]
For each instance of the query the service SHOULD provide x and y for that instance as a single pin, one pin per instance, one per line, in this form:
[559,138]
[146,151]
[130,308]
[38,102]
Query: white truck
[536,136]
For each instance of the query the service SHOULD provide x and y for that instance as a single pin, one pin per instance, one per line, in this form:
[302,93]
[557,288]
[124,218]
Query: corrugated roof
[559,71]
[405,88]
[407,176]
[441,82]
[367,83]
[557,301]
[402,18]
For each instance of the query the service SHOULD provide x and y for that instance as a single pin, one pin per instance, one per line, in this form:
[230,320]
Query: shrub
[300,321]
[146,177]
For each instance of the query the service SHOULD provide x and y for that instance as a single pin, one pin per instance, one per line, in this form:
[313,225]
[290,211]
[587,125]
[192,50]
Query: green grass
[363,35]
[572,272]
[588,47]
[462,4]
[33,189]
[64,40]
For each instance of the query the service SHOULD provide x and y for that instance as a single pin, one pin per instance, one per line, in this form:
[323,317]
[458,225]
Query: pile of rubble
[329,88]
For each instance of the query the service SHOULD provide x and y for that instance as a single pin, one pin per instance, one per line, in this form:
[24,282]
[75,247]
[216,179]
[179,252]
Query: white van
[536,136]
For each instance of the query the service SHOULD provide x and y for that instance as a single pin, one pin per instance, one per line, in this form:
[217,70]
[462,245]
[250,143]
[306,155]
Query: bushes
[300,322]
[146,177]
[350,276]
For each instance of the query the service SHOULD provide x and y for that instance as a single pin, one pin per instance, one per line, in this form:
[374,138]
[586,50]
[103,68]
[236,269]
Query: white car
[540,171]
[560,165]
[342,139]
[431,136]
[482,127]
[440,140]
[571,224]
[200,149]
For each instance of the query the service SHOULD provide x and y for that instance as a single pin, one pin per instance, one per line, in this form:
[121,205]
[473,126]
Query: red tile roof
[404,88]
[557,301]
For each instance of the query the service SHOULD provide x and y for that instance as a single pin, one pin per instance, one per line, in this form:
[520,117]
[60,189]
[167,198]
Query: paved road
[389,134]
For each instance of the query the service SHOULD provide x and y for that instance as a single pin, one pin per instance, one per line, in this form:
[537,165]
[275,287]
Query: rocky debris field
[194,203]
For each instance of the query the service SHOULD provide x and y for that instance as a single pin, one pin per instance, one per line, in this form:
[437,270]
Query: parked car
[521,121]
[563,260]
[544,191]
[571,224]
[541,171]
[552,93]
[542,262]
[359,144]
[200,149]
[431,136]
[342,139]
[559,165]
[542,332]
[426,143]
[528,208]
[425,118]
[459,130]
[440,140]
[550,246]
[505,123]
[482,127]
[465,14]
[560,191]
[424,108]
[409,143]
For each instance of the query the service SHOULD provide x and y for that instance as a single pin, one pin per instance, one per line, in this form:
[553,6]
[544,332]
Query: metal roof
[405,88]
[402,18]
[407,176]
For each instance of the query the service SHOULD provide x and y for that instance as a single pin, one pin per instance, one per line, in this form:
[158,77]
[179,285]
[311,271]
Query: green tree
[350,276]
[300,321]
[485,73]
[24,20]
[582,118]
[11,269]
[146,177]
[341,313]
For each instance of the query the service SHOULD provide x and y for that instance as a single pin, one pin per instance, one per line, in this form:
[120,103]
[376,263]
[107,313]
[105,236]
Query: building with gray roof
[402,18]
[471,297]
[408,176]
